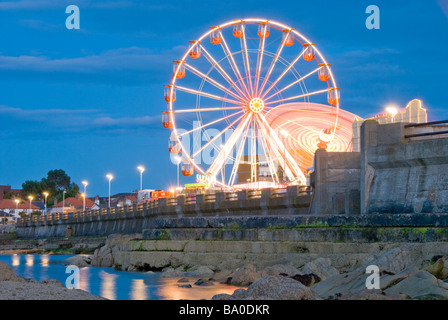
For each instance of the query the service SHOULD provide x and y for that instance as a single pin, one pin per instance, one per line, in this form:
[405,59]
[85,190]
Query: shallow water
[109,283]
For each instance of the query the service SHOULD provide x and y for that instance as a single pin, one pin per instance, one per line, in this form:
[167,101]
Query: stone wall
[404,175]
[336,183]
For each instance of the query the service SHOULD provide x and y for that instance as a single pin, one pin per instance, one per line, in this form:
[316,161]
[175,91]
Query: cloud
[18,122]
[51,4]
[133,65]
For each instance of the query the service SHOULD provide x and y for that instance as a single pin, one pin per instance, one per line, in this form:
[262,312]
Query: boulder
[200,271]
[396,259]
[372,294]
[183,280]
[279,269]
[419,285]
[80,261]
[321,267]
[172,273]
[6,273]
[307,279]
[244,276]
[224,276]
[223,296]
[278,288]
[52,282]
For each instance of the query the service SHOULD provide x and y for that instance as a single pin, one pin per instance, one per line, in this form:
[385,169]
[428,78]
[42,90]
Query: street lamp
[178,160]
[224,166]
[110,177]
[141,169]
[45,202]
[285,134]
[85,183]
[31,198]
[393,111]
[63,200]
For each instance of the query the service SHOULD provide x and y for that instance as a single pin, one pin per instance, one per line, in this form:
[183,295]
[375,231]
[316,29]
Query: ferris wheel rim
[171,111]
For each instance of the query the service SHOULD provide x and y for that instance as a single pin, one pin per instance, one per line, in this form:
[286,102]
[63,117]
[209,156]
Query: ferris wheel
[221,94]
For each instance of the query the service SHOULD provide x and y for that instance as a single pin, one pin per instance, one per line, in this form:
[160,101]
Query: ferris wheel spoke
[293,83]
[215,167]
[233,64]
[283,73]
[259,63]
[223,73]
[238,158]
[269,160]
[291,168]
[271,67]
[246,61]
[210,123]
[208,95]
[299,96]
[205,109]
[216,137]
[212,81]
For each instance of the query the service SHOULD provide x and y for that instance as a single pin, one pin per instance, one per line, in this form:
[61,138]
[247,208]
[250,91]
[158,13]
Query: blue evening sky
[89,101]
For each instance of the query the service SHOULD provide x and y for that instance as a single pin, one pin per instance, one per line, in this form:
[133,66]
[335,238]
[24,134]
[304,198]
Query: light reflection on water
[112,284]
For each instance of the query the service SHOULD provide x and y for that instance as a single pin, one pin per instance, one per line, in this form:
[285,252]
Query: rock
[320,267]
[200,271]
[172,273]
[52,282]
[223,296]
[6,273]
[339,283]
[279,269]
[388,281]
[224,276]
[435,268]
[307,279]
[240,294]
[102,257]
[80,261]
[396,259]
[372,294]
[420,284]
[183,280]
[245,276]
[278,288]
[185,286]
[201,282]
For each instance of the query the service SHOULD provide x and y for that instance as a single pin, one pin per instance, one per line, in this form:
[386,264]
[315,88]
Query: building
[412,113]
[4,190]
[14,208]
[73,204]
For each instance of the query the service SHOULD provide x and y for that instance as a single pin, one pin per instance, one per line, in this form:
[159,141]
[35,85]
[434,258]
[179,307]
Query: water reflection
[44,260]
[29,260]
[15,260]
[170,290]
[138,290]
[108,285]
[84,276]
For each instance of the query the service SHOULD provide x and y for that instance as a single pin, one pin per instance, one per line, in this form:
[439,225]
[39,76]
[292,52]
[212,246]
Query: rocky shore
[404,273]
[14,287]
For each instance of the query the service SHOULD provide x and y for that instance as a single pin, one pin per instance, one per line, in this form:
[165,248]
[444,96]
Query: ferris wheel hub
[256,105]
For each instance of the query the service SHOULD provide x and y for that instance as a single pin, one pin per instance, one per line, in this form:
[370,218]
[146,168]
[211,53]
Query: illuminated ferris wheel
[223,90]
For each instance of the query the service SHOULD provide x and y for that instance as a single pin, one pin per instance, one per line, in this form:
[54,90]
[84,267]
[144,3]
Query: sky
[89,101]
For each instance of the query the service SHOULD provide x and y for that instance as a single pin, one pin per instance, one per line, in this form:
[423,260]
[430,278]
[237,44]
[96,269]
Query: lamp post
[178,160]
[85,183]
[141,169]
[285,134]
[31,198]
[45,202]
[393,112]
[110,177]
[224,165]
[63,201]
